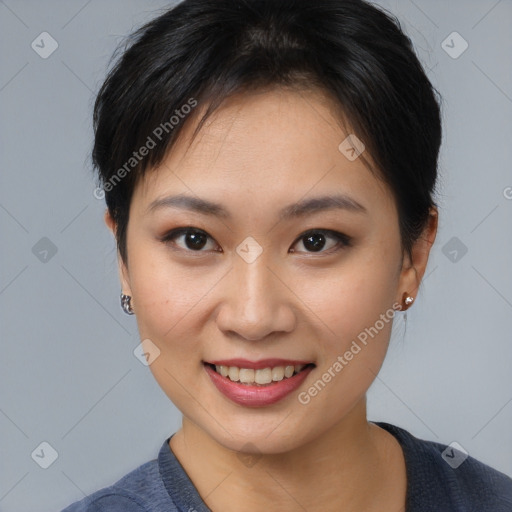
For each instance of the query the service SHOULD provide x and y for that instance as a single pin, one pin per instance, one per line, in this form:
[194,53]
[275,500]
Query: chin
[268,437]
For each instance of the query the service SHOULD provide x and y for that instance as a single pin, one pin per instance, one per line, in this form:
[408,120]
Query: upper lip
[258,365]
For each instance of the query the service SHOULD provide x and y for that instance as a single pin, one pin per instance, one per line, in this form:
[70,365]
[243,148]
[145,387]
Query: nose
[256,302]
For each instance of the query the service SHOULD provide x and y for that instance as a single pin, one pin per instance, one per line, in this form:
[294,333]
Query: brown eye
[193,239]
[317,240]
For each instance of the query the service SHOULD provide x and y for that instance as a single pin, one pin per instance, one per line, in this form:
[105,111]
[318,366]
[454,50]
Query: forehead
[277,144]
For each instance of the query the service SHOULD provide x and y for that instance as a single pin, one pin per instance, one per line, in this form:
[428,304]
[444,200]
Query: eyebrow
[304,207]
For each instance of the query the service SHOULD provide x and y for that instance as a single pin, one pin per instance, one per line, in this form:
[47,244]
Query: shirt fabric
[434,484]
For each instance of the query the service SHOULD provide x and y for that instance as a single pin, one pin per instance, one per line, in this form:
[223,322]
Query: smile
[257,387]
[261,377]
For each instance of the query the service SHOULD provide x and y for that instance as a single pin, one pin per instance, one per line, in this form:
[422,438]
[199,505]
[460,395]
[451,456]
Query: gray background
[68,373]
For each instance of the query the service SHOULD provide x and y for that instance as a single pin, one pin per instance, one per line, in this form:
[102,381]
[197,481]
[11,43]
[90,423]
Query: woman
[269,170]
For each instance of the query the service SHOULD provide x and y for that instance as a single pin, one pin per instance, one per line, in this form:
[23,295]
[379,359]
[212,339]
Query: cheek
[350,302]
[356,311]
[167,299]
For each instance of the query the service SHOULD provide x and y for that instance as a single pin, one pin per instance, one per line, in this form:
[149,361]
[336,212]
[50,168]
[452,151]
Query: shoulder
[448,478]
[141,490]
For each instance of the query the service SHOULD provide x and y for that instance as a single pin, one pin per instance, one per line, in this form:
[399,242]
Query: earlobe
[122,269]
[415,265]
[124,276]
[109,221]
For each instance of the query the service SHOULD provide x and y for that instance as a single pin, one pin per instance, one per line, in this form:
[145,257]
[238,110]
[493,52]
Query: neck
[347,468]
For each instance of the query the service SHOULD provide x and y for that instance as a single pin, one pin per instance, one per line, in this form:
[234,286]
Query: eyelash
[342,239]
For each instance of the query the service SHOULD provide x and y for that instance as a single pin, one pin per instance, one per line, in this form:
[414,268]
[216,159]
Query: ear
[413,267]
[124,276]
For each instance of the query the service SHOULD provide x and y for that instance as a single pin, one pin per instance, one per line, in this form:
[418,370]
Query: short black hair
[200,52]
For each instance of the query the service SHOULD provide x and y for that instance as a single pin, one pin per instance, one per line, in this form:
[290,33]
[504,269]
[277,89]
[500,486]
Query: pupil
[314,243]
[194,241]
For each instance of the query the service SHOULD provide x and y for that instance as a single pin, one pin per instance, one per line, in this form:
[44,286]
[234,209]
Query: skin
[256,154]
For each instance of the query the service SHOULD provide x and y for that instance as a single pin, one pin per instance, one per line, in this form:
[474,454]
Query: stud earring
[126,304]
[407,300]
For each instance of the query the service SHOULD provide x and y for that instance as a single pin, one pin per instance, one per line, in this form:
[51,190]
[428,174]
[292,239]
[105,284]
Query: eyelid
[331,232]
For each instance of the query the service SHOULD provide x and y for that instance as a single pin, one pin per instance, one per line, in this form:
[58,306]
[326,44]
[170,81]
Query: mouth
[259,377]
[257,384]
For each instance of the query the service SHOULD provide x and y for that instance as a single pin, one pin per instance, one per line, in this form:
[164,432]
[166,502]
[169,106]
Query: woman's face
[266,277]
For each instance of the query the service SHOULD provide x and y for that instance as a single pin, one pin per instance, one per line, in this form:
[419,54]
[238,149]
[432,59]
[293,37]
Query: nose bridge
[255,304]
[254,281]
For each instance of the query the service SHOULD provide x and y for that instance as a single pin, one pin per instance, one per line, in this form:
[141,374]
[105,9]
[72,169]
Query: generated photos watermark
[151,142]
[341,361]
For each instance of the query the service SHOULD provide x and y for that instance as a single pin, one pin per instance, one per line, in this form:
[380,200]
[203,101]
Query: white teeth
[233,373]
[262,376]
[278,373]
[246,375]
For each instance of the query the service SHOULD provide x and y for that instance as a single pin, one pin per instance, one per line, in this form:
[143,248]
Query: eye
[193,239]
[315,240]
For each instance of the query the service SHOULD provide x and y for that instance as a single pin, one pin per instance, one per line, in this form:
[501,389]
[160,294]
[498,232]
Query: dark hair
[201,51]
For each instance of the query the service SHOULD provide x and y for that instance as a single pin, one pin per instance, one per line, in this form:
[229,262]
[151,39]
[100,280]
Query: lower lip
[257,396]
